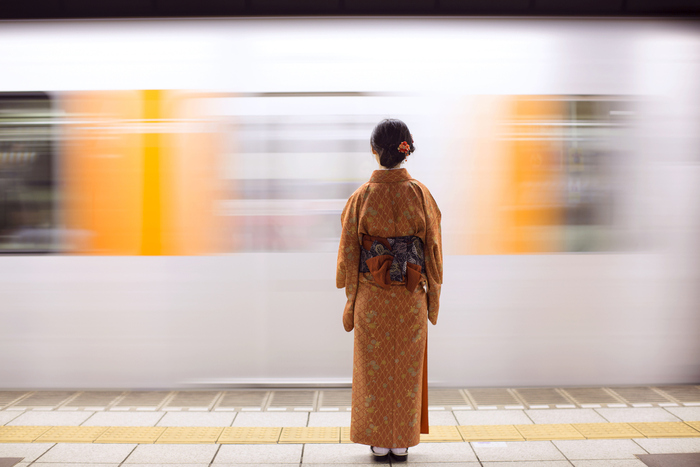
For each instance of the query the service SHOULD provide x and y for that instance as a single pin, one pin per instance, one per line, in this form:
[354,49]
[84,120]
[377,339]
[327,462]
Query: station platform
[497,427]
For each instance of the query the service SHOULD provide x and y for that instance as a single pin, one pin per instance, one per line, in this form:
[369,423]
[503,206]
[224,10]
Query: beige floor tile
[441,452]
[189,419]
[527,464]
[50,418]
[685,413]
[30,451]
[6,417]
[172,454]
[435,464]
[565,416]
[259,453]
[264,465]
[492,417]
[329,419]
[86,453]
[654,414]
[599,448]
[439,418]
[517,451]
[271,419]
[124,419]
[669,445]
[70,464]
[609,463]
[337,454]
[162,465]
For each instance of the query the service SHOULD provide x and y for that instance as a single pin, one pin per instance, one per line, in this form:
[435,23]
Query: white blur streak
[529,320]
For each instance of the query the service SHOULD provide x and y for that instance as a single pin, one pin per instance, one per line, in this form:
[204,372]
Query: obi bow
[393,259]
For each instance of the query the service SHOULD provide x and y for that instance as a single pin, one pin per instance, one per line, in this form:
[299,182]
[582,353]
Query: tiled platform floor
[325,408]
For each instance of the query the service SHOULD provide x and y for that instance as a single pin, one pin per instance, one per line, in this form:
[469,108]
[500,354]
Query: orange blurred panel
[189,176]
[514,175]
[151,243]
[101,173]
[533,207]
[139,173]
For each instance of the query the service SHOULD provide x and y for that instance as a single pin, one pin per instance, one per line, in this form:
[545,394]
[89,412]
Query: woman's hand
[349,321]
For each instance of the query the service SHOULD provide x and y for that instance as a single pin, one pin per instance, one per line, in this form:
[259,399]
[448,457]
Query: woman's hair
[386,138]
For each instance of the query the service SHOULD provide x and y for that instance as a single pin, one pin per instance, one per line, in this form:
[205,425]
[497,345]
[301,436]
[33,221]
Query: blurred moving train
[170,194]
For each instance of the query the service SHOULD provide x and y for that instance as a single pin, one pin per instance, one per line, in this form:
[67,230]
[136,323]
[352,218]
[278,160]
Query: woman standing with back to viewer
[390,251]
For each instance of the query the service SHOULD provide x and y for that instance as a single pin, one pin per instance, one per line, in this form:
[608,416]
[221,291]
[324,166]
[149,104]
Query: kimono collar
[390,176]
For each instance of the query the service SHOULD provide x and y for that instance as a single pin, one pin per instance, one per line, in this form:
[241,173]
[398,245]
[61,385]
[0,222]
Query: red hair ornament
[404,147]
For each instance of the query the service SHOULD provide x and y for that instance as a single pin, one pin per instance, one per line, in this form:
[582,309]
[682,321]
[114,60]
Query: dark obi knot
[393,259]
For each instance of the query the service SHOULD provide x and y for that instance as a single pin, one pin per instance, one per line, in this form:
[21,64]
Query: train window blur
[27,183]
[550,177]
[297,159]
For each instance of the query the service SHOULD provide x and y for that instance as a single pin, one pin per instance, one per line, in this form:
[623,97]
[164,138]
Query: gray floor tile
[517,451]
[373,464]
[492,417]
[685,413]
[440,418]
[528,464]
[172,454]
[30,451]
[668,445]
[276,465]
[599,448]
[72,464]
[6,417]
[271,419]
[441,452]
[654,414]
[259,453]
[565,416]
[86,452]
[124,419]
[10,461]
[197,419]
[610,463]
[161,465]
[51,418]
[439,464]
[329,419]
[244,465]
[337,454]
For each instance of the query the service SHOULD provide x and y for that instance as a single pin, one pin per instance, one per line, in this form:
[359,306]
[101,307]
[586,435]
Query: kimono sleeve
[433,255]
[347,272]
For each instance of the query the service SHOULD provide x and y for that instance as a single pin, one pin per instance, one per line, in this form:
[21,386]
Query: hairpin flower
[404,147]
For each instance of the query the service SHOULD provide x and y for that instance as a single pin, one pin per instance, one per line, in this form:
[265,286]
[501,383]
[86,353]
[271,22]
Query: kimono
[389,316]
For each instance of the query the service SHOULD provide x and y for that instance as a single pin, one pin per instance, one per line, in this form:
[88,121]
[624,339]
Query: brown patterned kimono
[389,381]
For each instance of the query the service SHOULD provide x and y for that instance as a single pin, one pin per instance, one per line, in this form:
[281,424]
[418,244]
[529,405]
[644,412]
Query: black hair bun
[387,137]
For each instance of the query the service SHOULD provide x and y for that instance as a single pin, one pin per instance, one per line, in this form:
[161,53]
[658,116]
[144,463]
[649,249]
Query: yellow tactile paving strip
[441,434]
[250,435]
[607,430]
[189,435]
[300,435]
[665,429]
[345,434]
[72,434]
[546,432]
[489,433]
[21,434]
[695,425]
[131,434]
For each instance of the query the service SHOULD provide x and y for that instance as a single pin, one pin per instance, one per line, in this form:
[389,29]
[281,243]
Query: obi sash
[393,259]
